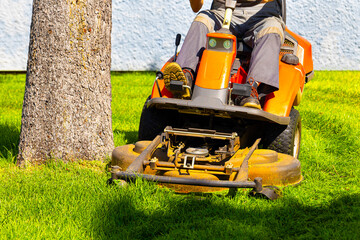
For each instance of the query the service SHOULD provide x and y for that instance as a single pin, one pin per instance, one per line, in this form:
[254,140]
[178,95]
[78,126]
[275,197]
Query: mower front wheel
[288,141]
[153,121]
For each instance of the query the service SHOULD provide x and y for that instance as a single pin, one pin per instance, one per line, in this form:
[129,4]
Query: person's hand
[196,5]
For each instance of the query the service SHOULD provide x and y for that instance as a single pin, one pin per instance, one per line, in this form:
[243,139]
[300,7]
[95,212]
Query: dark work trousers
[261,27]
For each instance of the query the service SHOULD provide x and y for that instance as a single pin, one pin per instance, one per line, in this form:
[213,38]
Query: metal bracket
[229,169]
[153,162]
[189,165]
[114,170]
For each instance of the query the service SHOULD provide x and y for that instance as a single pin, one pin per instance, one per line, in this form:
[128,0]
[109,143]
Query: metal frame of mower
[193,167]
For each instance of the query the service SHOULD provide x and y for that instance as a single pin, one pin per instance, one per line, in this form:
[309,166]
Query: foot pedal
[177,86]
[243,90]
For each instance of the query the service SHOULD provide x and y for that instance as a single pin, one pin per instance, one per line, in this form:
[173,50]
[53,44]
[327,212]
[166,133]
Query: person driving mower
[260,26]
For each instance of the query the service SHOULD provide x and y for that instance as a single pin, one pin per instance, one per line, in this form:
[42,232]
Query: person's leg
[185,67]
[195,40]
[266,38]
[193,46]
[264,64]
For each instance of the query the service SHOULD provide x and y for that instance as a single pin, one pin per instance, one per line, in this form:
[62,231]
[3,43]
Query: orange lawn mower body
[208,143]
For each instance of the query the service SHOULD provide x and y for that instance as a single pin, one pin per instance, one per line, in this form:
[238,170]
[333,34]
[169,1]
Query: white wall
[15,19]
[144,31]
[333,27]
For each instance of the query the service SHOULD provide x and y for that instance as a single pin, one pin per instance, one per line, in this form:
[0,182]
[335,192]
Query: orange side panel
[164,92]
[304,52]
[292,78]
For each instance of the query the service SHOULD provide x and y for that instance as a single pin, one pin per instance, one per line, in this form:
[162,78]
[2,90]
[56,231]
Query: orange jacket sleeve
[196,4]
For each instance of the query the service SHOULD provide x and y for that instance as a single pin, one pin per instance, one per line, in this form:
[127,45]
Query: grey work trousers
[260,26]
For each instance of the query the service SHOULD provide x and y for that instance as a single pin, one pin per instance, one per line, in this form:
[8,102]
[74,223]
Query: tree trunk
[67,103]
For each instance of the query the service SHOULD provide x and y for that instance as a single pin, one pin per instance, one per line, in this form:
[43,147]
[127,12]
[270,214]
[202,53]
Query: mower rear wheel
[153,121]
[288,142]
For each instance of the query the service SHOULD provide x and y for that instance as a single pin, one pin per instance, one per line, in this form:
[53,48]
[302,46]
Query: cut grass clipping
[72,201]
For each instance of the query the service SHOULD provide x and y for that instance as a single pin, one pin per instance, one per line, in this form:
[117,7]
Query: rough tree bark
[67,103]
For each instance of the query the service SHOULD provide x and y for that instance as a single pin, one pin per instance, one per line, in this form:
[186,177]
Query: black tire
[153,121]
[288,141]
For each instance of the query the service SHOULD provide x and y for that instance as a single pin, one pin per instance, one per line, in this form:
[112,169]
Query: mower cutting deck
[196,160]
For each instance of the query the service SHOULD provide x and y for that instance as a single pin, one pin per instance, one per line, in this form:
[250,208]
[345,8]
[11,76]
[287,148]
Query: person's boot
[173,72]
[253,100]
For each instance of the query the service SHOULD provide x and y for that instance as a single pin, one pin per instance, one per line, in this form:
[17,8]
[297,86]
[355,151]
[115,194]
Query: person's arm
[196,4]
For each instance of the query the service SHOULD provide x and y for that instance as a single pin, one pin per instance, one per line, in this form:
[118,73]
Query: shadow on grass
[207,219]
[131,136]
[128,136]
[9,141]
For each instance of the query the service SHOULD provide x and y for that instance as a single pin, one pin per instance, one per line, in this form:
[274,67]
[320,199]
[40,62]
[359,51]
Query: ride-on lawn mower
[208,142]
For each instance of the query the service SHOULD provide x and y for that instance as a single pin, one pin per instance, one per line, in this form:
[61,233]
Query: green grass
[72,201]
[129,93]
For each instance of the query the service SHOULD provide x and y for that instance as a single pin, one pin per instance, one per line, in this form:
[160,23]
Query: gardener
[257,22]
